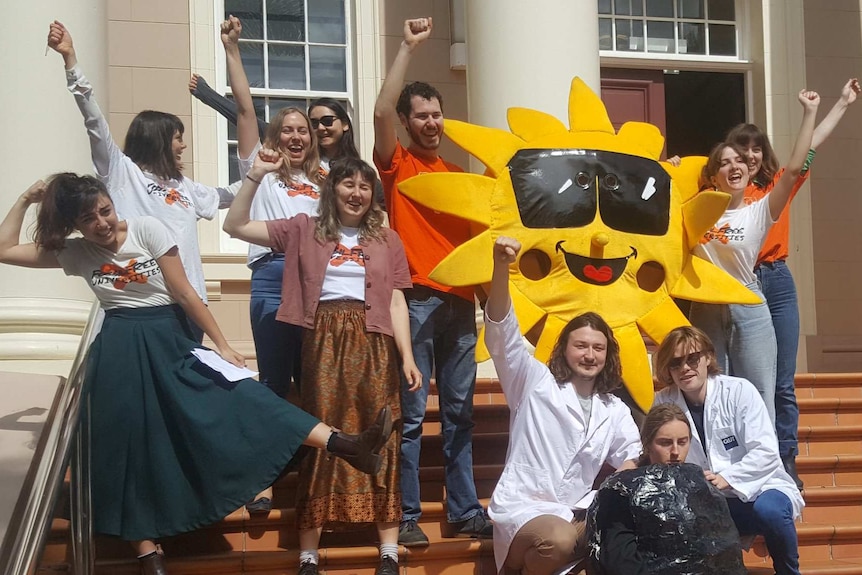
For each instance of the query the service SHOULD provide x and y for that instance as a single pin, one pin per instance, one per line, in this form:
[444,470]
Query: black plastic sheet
[678,522]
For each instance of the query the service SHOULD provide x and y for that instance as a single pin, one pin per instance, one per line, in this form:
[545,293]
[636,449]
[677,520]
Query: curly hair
[611,377]
[746,135]
[311,164]
[425,91]
[67,196]
[657,417]
[690,338]
[328,226]
[150,143]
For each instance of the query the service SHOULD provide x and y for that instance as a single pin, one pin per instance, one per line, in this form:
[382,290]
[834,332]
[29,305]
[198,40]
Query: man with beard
[442,318]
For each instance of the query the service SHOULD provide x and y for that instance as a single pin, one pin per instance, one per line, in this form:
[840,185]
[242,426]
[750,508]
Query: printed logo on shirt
[120,277]
[724,234]
[729,442]
[342,254]
[170,195]
[300,189]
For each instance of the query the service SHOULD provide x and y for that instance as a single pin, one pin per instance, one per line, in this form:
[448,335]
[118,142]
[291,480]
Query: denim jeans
[276,343]
[780,292]
[744,342]
[770,514]
[443,330]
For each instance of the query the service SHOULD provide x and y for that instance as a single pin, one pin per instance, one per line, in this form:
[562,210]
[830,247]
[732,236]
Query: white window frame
[228,244]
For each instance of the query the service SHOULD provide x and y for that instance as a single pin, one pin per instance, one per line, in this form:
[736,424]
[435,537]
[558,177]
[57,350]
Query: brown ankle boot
[363,451]
[153,564]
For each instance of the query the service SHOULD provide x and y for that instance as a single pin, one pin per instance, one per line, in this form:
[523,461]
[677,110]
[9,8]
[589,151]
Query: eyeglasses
[327,121]
[692,360]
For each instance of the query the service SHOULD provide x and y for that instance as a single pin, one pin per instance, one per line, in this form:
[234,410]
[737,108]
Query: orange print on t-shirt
[125,275]
[174,196]
[343,254]
[303,190]
[719,234]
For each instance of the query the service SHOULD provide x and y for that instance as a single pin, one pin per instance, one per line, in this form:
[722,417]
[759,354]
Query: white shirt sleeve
[155,237]
[104,151]
[206,199]
[626,443]
[516,368]
[245,164]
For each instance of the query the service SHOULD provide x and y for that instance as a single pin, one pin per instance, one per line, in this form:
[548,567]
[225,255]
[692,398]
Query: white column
[42,311]
[526,54]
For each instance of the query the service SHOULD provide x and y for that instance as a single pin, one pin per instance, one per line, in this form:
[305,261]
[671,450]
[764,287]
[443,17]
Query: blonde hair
[311,164]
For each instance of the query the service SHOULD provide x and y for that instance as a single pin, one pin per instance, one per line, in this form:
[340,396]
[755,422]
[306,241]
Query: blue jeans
[744,342]
[780,292]
[443,330]
[770,514]
[276,343]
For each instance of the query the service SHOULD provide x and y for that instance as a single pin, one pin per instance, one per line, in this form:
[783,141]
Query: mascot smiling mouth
[596,271]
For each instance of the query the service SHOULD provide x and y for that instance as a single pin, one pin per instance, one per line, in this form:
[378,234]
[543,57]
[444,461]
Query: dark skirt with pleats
[348,375]
[175,446]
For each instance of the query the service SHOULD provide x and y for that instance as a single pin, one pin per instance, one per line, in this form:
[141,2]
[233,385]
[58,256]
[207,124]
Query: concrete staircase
[830,533]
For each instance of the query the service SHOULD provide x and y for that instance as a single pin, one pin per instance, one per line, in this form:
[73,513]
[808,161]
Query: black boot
[363,451]
[789,462]
[153,564]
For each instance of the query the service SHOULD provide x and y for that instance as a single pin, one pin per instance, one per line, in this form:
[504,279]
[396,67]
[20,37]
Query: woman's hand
[506,250]
[809,99]
[412,375]
[717,480]
[268,160]
[850,91]
[231,355]
[59,39]
[231,30]
[35,193]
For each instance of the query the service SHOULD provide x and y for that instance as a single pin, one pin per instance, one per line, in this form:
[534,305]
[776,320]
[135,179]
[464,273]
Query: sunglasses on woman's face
[327,121]
[692,360]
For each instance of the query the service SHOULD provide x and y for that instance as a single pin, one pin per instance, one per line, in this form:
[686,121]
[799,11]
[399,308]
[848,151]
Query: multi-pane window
[293,51]
[672,27]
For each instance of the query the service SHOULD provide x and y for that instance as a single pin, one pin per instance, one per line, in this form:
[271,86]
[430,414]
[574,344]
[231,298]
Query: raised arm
[780,194]
[246,120]
[505,253]
[199,88]
[102,145]
[385,117]
[238,222]
[11,250]
[824,129]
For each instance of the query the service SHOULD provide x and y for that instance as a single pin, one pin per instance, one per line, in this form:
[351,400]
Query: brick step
[819,385]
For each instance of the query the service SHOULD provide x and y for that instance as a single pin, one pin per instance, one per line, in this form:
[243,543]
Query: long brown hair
[657,417]
[67,196]
[609,378]
[311,165]
[150,143]
[691,338]
[328,226]
[746,135]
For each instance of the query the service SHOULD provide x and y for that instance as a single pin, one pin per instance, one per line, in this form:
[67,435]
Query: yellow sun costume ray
[629,277]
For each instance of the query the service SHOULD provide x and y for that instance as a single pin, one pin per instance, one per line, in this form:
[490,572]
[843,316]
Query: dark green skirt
[174,445]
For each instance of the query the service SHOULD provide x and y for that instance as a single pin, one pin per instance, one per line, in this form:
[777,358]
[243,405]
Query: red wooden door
[634,95]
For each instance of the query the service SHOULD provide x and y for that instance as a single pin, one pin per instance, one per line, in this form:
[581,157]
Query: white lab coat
[741,442]
[552,460]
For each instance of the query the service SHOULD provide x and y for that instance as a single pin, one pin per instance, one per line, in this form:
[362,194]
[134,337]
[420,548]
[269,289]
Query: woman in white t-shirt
[742,334]
[344,276]
[145,178]
[173,447]
[291,190]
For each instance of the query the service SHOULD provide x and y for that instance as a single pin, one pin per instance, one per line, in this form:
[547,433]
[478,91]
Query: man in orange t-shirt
[442,318]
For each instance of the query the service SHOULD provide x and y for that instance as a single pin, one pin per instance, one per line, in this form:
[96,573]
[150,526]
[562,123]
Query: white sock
[389,550]
[309,556]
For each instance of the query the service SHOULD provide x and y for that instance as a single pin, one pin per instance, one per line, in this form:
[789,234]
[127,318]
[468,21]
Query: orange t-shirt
[775,245]
[428,236]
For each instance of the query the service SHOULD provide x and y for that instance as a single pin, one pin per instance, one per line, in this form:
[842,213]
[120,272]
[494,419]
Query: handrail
[29,532]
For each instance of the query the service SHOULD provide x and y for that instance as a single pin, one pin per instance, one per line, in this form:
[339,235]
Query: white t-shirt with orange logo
[178,204]
[345,273]
[276,200]
[130,278]
[735,239]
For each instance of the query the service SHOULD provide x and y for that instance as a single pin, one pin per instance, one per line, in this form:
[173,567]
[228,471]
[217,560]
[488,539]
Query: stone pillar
[526,54]
[42,312]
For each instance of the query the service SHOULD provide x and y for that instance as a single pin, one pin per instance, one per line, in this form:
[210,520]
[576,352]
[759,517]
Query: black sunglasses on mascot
[327,121]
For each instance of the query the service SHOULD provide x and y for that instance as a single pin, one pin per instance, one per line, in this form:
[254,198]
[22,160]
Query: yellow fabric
[639,303]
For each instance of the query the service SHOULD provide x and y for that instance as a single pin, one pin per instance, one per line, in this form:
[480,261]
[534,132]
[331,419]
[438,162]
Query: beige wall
[833,53]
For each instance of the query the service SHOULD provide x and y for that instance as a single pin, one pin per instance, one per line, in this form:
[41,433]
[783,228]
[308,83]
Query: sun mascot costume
[603,225]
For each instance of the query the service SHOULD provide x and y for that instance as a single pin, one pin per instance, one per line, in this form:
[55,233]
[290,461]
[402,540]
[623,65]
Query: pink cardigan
[305,263]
